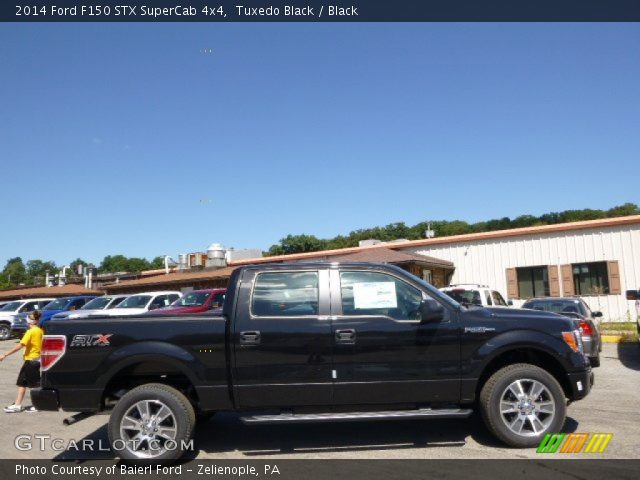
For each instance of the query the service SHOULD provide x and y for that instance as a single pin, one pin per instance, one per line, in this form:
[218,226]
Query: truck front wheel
[521,403]
[152,422]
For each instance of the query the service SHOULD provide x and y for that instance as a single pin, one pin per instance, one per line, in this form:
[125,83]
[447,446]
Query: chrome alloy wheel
[148,429]
[527,407]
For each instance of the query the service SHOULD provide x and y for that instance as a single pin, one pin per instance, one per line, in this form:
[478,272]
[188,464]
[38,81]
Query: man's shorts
[29,375]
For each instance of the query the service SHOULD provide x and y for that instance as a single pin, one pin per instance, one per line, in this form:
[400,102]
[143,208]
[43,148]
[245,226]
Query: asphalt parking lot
[613,406]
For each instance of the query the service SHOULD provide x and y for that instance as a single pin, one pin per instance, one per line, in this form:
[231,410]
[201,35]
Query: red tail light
[53,348]
[585,328]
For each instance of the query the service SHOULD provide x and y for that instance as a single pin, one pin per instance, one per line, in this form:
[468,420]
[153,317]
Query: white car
[475,294]
[97,306]
[142,303]
[10,312]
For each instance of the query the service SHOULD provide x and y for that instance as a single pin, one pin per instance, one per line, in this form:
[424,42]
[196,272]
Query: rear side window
[372,293]
[285,294]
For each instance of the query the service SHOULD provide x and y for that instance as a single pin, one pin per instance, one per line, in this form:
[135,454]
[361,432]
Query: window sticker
[375,295]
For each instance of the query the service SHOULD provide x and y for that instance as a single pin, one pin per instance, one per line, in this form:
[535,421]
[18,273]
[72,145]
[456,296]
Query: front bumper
[44,399]
[580,383]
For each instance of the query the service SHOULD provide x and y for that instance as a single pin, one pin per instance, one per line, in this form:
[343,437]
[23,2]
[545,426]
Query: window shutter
[554,281]
[567,280]
[614,278]
[512,283]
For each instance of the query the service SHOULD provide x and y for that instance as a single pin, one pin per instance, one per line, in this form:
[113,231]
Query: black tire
[183,421]
[595,361]
[5,331]
[491,397]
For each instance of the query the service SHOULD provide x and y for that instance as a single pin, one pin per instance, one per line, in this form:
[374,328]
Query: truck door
[382,352]
[282,339]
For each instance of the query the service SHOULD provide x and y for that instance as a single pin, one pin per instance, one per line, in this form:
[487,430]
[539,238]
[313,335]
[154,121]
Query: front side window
[591,278]
[497,299]
[533,282]
[372,293]
[285,294]
[29,307]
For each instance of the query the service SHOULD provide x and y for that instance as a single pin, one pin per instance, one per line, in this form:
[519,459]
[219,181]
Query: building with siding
[597,260]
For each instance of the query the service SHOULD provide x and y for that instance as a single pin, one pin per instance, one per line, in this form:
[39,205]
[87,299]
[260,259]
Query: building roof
[470,237]
[386,255]
[68,290]
[172,278]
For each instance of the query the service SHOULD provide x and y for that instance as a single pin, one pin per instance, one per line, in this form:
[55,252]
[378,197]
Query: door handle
[250,338]
[347,335]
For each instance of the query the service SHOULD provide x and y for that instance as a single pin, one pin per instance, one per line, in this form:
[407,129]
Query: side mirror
[633,294]
[431,311]
[597,314]
[510,302]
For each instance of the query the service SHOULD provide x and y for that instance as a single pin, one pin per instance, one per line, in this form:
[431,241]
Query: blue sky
[112,135]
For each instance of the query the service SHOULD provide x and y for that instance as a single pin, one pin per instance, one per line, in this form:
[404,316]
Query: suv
[10,312]
[475,294]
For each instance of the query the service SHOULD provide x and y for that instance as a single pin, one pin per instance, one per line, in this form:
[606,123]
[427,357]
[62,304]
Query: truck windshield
[192,299]
[135,301]
[58,304]
[97,303]
[11,307]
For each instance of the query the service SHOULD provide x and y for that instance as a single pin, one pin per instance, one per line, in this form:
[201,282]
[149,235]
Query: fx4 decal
[97,340]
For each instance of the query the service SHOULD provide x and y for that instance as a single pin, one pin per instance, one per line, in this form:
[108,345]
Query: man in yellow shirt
[29,376]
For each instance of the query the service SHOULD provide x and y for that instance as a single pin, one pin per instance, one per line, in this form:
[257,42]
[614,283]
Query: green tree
[297,244]
[37,271]
[156,263]
[15,271]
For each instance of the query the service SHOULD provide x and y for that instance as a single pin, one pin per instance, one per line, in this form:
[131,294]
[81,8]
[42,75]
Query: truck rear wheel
[521,403]
[151,422]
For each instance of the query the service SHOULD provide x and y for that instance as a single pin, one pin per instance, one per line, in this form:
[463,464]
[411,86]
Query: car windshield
[97,303]
[466,297]
[556,306]
[192,299]
[135,301]
[58,304]
[11,307]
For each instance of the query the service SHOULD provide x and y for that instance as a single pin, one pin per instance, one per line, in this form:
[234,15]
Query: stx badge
[97,340]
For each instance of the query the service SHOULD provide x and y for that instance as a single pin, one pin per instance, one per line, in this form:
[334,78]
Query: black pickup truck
[315,342]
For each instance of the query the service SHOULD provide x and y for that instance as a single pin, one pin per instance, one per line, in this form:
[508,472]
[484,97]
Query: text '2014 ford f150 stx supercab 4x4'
[312,342]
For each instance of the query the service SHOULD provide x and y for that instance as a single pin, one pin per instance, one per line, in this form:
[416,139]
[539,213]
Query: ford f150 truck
[315,342]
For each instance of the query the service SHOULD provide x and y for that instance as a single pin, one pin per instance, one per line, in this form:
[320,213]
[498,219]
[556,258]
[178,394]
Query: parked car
[196,301]
[95,306]
[474,294]
[11,311]
[142,303]
[64,304]
[316,342]
[576,308]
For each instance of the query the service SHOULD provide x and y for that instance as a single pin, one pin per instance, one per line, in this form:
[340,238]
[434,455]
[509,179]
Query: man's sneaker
[31,409]
[13,409]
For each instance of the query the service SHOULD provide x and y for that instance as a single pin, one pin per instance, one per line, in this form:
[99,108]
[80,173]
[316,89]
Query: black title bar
[322,11]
